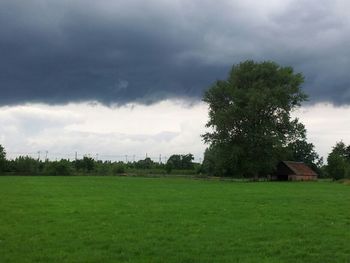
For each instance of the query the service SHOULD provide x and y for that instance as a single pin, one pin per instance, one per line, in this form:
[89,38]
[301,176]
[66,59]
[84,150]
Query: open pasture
[121,219]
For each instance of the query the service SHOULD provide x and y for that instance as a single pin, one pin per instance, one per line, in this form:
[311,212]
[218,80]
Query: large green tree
[250,119]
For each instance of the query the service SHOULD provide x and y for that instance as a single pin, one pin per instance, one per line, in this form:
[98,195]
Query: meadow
[132,219]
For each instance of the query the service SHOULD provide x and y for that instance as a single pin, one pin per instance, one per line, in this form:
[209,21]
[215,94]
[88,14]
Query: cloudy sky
[118,78]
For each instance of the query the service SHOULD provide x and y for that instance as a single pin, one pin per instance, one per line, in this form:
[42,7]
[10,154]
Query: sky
[122,79]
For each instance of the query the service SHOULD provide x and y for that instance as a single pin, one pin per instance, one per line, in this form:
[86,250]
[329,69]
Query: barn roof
[299,168]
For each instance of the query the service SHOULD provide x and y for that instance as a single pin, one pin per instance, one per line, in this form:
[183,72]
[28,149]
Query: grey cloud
[145,51]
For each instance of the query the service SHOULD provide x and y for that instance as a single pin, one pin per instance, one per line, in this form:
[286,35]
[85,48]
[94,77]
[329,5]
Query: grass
[121,219]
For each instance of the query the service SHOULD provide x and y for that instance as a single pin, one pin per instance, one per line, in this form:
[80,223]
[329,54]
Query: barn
[294,171]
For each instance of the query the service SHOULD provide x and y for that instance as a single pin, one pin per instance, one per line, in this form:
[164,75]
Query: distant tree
[338,162]
[26,165]
[179,161]
[337,166]
[347,153]
[175,161]
[103,167]
[86,164]
[169,166]
[147,163]
[59,168]
[342,150]
[118,168]
[249,117]
[187,161]
[2,158]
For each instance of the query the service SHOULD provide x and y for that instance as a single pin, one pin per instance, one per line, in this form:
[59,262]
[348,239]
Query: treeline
[25,165]
[337,167]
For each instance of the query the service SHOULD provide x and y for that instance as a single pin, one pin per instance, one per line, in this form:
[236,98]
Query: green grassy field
[121,219]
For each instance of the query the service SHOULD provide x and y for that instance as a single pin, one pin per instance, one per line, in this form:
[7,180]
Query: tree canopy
[250,121]
[181,161]
[338,160]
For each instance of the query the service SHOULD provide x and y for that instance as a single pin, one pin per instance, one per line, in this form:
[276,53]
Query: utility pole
[46,153]
[76,155]
[39,155]
[160,158]
[146,156]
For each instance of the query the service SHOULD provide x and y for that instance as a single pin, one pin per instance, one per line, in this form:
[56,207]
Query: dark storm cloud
[124,51]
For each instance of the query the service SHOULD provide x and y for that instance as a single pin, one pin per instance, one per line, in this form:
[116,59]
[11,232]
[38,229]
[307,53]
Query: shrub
[169,166]
[62,167]
[103,168]
[86,164]
[118,168]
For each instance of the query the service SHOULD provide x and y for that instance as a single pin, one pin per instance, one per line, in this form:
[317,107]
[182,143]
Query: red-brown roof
[300,168]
